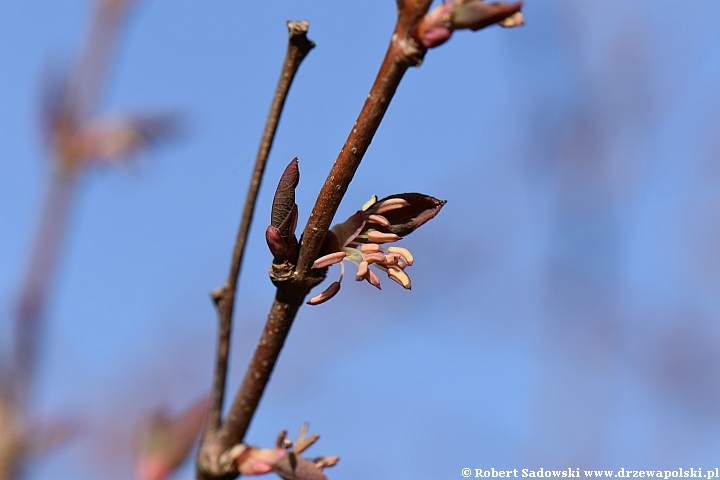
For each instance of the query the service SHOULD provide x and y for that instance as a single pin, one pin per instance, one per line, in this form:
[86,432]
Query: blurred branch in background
[68,106]
[78,138]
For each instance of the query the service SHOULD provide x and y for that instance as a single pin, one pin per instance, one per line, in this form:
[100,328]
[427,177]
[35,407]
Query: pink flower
[358,240]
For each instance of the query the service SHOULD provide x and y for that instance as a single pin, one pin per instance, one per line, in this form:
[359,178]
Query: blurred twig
[77,138]
[40,272]
[65,110]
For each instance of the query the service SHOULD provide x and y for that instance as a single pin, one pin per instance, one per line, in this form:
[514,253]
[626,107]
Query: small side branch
[298,47]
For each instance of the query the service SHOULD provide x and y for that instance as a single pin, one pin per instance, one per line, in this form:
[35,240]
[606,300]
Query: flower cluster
[358,240]
[284,459]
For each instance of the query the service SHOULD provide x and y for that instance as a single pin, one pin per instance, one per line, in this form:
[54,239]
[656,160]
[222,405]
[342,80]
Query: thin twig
[298,47]
[402,53]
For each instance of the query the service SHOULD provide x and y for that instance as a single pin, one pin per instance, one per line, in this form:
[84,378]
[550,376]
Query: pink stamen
[361,271]
[329,259]
[382,237]
[373,279]
[379,219]
[388,205]
[326,295]
[370,248]
[375,258]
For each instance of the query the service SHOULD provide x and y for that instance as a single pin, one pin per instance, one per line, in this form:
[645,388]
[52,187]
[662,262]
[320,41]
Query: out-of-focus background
[566,302]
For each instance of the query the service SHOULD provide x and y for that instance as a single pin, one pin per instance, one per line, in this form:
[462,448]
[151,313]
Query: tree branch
[295,283]
[298,47]
[402,53]
[284,308]
[76,103]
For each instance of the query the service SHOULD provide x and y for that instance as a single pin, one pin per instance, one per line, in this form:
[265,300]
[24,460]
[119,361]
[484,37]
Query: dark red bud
[276,243]
[284,199]
[404,220]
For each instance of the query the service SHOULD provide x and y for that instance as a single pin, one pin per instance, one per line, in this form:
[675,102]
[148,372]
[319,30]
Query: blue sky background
[565,303]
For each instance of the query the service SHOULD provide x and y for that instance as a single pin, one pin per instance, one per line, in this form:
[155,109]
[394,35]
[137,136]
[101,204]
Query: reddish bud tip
[284,199]
[276,243]
[326,295]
